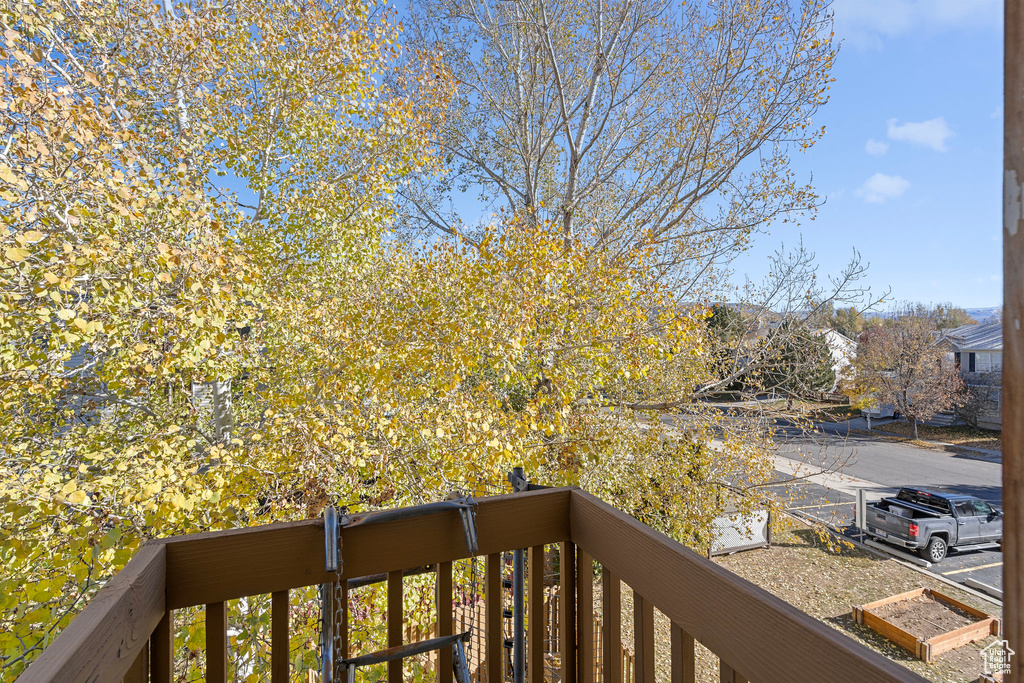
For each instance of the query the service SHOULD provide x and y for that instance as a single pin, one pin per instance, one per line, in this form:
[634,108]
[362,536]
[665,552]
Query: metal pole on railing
[519,484]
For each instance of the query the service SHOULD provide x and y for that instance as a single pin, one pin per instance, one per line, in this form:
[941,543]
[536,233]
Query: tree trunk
[913,427]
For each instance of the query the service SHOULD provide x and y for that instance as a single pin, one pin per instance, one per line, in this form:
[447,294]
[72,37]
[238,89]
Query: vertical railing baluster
[494,642]
[584,617]
[611,609]
[643,639]
[445,623]
[567,611]
[161,661]
[726,674]
[280,647]
[683,670]
[216,642]
[139,673]
[535,610]
[395,620]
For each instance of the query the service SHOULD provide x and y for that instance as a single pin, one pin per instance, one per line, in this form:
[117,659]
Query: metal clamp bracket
[465,505]
[334,563]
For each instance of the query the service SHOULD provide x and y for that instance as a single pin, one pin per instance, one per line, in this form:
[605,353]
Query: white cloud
[880,187]
[865,22]
[876,147]
[931,133]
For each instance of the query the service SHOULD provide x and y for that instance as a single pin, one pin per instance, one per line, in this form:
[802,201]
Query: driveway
[882,466]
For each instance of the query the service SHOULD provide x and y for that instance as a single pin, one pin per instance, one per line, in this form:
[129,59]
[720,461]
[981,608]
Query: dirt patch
[924,616]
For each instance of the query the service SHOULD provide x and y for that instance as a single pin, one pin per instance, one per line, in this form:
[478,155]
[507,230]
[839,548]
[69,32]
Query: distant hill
[984,315]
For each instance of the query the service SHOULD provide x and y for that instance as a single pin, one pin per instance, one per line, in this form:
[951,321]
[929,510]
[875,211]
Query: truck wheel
[935,551]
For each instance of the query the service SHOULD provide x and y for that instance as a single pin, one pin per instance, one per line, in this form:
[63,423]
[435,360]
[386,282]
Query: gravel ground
[801,570]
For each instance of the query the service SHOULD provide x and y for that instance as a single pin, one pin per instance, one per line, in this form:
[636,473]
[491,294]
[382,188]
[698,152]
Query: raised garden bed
[925,622]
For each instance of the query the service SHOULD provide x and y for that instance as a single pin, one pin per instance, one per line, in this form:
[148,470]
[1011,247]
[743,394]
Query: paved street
[883,466]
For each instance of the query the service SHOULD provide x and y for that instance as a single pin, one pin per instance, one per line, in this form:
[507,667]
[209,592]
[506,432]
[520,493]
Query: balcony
[125,632]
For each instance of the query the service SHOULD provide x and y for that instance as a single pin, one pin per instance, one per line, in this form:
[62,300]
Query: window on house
[983,362]
[997,361]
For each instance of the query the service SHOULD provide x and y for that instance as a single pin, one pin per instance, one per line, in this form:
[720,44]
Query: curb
[984,587]
[906,557]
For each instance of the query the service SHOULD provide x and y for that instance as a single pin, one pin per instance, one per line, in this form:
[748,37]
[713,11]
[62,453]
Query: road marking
[971,569]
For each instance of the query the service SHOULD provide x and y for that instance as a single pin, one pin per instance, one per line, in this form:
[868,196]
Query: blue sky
[910,163]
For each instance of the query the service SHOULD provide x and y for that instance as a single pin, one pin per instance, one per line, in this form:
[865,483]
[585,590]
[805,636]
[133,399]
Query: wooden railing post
[445,622]
[567,616]
[535,611]
[643,639]
[726,674]
[683,670]
[1013,335]
[139,673]
[611,628]
[280,647]
[162,650]
[584,617]
[396,610]
[216,642]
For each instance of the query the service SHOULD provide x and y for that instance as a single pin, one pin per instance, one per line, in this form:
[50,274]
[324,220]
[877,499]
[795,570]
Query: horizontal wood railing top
[761,636]
[224,565]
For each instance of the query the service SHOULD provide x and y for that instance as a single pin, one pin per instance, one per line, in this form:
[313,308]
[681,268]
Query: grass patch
[820,411]
[957,435]
[835,413]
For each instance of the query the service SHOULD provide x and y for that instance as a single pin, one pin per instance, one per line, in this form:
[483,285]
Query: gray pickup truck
[931,522]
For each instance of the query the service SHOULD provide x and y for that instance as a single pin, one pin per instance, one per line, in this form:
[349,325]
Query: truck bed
[906,509]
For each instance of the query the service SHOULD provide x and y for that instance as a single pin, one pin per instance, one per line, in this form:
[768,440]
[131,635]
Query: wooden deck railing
[125,632]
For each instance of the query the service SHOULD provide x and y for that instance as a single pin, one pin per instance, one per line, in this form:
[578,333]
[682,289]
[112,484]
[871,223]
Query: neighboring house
[977,351]
[843,350]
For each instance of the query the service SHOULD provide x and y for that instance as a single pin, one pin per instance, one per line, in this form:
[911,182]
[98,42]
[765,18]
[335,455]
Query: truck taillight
[913,530]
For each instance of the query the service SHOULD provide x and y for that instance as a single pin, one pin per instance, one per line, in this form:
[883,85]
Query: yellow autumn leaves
[179,353]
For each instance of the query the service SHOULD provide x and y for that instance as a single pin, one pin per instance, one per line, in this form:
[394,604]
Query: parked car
[932,522]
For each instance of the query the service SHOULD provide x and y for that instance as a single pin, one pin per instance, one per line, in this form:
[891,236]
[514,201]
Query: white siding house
[978,352]
[843,350]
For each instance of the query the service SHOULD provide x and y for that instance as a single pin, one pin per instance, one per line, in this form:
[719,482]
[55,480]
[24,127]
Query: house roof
[987,337]
[842,338]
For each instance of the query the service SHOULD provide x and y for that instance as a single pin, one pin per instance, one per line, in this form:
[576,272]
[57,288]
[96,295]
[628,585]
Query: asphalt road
[883,466]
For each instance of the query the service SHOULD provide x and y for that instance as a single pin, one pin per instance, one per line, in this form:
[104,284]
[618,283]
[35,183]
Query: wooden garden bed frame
[927,649]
